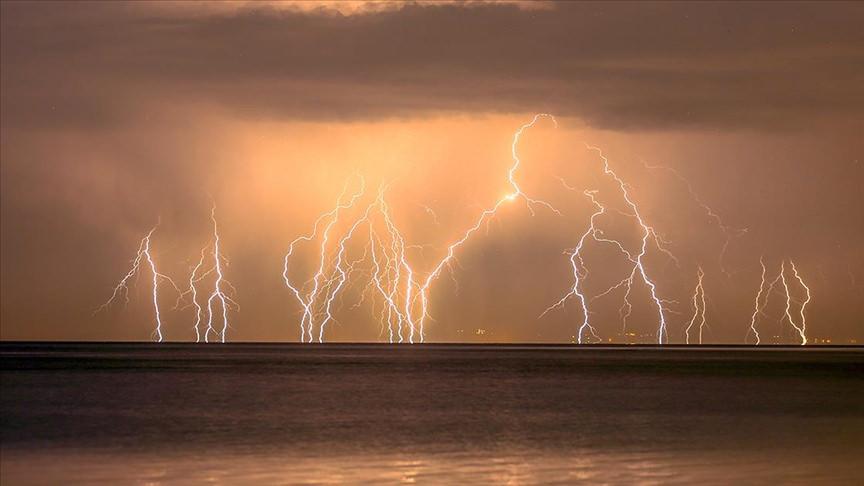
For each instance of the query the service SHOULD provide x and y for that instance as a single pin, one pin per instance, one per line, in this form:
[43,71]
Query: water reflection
[458,415]
[475,467]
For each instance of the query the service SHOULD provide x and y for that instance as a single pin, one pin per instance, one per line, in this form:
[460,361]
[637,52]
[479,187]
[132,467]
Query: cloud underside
[614,65]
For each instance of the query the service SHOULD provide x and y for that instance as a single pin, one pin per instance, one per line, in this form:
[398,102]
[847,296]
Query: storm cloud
[614,65]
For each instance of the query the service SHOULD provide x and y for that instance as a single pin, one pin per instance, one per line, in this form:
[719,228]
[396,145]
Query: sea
[129,413]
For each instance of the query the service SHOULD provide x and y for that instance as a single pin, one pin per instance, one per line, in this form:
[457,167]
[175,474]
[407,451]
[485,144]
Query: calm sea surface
[137,413]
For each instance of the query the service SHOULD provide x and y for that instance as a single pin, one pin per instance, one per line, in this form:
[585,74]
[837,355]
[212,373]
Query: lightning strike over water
[333,291]
[218,295]
[406,296]
[758,307]
[400,295]
[648,232]
[636,258]
[194,278]
[484,217]
[404,292]
[698,307]
[579,270]
[802,330]
[143,254]
[765,291]
[801,327]
[397,273]
[308,299]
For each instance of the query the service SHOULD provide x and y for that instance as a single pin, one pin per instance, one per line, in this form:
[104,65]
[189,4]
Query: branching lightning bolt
[648,232]
[765,292]
[802,330]
[579,269]
[698,307]
[194,278]
[406,296]
[309,298]
[758,307]
[122,287]
[728,231]
[342,272]
[218,295]
[636,258]
[485,216]
[400,293]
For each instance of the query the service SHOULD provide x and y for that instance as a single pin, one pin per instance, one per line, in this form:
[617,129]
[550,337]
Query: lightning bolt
[397,272]
[648,232]
[431,213]
[122,288]
[390,312]
[698,307]
[218,295]
[308,299]
[728,231]
[648,235]
[800,328]
[579,269]
[194,278]
[405,294]
[757,308]
[341,270]
[515,193]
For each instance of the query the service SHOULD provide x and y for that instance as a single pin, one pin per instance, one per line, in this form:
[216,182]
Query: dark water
[120,413]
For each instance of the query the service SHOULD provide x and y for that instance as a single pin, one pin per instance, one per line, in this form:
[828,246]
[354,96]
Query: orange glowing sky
[116,115]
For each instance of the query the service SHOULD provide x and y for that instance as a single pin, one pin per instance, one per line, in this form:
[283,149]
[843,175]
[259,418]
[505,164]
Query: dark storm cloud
[616,65]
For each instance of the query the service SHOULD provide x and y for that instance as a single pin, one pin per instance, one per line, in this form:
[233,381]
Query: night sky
[115,116]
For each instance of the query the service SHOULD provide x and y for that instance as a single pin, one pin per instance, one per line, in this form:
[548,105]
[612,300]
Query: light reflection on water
[474,467]
[458,415]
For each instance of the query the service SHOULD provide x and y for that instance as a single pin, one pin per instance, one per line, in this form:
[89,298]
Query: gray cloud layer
[615,65]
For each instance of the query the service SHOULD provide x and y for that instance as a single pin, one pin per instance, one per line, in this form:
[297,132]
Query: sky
[114,116]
